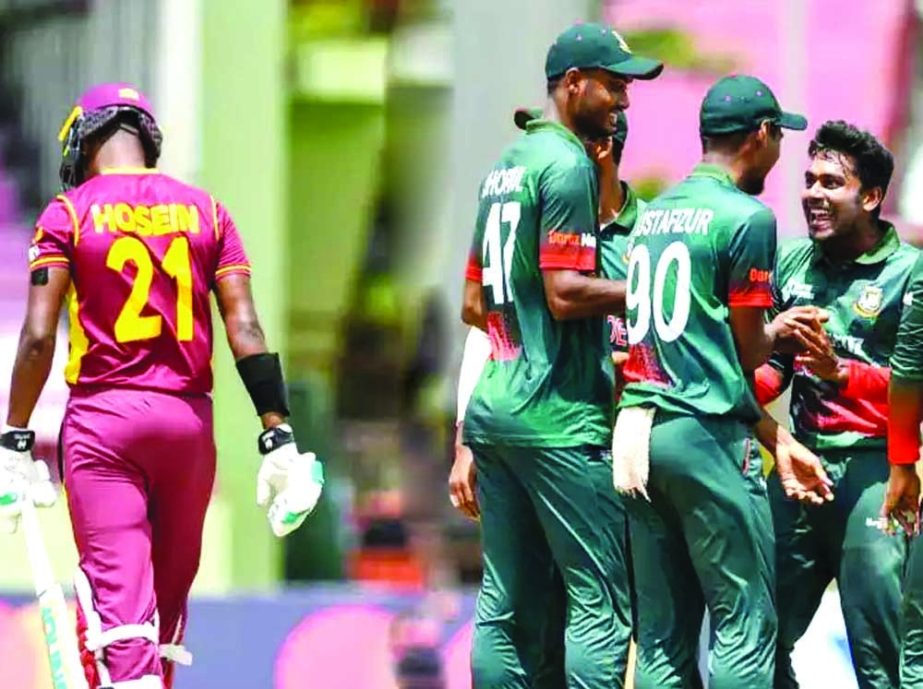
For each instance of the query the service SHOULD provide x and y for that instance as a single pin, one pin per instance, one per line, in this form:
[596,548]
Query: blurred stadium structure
[348,138]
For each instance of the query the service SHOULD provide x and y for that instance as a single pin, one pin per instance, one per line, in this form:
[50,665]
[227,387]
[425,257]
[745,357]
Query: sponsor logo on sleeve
[795,289]
[558,238]
[757,275]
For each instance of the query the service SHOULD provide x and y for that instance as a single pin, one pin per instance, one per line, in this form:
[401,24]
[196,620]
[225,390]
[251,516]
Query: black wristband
[262,376]
[18,441]
[274,438]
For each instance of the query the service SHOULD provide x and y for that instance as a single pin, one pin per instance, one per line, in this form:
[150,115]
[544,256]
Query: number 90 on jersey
[649,299]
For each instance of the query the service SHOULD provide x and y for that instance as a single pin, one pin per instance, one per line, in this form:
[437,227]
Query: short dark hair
[553,84]
[734,141]
[873,163]
[728,143]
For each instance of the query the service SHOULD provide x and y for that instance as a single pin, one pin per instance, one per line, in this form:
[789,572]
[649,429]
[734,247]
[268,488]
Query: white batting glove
[289,483]
[21,478]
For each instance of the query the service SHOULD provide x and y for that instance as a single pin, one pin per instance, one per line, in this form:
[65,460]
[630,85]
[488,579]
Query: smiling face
[832,198]
[597,96]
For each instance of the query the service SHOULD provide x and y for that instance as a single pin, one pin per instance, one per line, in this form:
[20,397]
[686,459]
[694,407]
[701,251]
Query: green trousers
[551,672]
[703,541]
[544,509]
[912,620]
[841,540]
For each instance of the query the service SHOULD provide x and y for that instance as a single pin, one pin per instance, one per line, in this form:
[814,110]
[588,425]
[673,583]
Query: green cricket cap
[597,46]
[522,117]
[740,103]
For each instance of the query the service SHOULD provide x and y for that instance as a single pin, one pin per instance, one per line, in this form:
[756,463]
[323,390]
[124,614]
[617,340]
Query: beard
[594,126]
[753,183]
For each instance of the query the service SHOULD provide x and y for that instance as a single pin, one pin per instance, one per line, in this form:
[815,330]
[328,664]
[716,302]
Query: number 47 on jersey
[497,253]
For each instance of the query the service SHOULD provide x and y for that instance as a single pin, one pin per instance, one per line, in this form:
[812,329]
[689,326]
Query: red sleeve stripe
[767,384]
[903,444]
[864,382]
[215,218]
[582,258]
[473,270]
[229,270]
[49,261]
[762,298]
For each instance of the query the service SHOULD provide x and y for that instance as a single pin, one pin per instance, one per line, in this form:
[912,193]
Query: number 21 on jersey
[497,251]
[131,326]
[647,299]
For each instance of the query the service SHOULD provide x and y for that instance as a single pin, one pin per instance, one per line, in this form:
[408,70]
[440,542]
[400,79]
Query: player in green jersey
[619,208]
[902,500]
[539,420]
[700,260]
[854,266]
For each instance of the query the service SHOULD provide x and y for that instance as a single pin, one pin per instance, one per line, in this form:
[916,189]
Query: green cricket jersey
[864,299]
[613,254]
[548,383]
[697,250]
[907,359]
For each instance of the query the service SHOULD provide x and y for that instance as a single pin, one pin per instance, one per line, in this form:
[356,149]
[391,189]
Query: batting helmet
[99,107]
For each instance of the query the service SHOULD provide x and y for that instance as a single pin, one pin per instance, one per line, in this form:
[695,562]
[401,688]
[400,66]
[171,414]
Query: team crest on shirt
[870,301]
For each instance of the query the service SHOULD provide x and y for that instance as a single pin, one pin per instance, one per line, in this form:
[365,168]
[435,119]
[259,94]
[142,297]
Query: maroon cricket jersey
[144,252]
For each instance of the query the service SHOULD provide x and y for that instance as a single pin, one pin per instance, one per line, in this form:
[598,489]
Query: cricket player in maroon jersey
[136,255]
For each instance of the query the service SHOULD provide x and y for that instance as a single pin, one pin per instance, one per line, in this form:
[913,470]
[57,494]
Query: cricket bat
[57,628]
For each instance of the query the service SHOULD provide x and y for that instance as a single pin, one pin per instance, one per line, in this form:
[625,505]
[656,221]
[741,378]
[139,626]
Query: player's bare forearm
[33,364]
[571,295]
[767,430]
[770,433]
[36,345]
[800,471]
[235,303]
[474,312]
[272,419]
[245,336]
[752,335]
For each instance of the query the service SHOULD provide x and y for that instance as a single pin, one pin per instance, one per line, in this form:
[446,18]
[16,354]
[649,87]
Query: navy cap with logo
[741,103]
[597,46]
[522,117]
